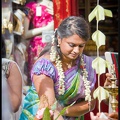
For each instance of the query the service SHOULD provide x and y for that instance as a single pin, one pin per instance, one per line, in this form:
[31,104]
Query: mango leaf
[46,114]
[62,112]
[99,64]
[64,109]
[108,13]
[99,12]
[100,93]
[99,38]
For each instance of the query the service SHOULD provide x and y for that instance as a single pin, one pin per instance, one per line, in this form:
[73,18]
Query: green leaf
[46,114]
[99,64]
[63,110]
[99,12]
[99,38]
[108,13]
[100,93]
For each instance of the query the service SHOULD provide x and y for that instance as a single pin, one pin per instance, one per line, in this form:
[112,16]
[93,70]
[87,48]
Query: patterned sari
[74,86]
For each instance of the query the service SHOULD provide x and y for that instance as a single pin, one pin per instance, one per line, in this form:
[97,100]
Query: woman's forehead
[74,39]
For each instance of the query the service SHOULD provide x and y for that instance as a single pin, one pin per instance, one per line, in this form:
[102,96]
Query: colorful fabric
[60,14]
[69,8]
[74,86]
[39,21]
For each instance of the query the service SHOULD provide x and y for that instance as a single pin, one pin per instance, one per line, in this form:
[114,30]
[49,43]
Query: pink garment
[36,45]
[39,21]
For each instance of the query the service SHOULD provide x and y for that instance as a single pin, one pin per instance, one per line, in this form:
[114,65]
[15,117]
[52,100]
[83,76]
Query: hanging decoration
[99,64]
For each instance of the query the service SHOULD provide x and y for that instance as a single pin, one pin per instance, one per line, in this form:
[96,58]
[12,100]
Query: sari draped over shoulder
[74,85]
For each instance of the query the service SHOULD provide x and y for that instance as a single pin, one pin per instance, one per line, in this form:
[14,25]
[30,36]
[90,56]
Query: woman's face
[71,47]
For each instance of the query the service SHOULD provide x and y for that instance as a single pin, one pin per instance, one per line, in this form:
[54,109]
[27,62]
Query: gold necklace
[69,65]
[61,88]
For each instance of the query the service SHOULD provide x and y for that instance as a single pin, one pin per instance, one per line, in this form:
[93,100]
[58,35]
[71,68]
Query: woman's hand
[108,82]
[40,113]
[113,115]
[95,117]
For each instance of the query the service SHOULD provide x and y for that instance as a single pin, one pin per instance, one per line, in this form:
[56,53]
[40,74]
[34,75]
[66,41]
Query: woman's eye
[82,46]
[71,45]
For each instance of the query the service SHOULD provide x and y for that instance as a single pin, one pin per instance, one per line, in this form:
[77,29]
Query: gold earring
[58,45]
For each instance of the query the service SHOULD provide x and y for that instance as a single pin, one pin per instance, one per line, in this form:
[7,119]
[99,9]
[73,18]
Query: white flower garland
[53,51]
[61,90]
[86,82]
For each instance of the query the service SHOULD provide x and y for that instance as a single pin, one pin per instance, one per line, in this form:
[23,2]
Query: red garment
[75,7]
[63,9]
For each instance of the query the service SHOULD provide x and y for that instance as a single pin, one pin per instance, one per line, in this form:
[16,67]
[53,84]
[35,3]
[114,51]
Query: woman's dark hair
[3,51]
[73,25]
[68,27]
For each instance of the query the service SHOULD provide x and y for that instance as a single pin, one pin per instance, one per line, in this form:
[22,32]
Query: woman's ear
[59,40]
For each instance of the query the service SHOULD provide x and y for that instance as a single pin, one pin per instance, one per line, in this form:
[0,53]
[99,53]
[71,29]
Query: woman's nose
[76,49]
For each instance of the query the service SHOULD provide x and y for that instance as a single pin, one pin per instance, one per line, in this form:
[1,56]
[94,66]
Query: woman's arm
[29,33]
[15,86]
[80,108]
[45,87]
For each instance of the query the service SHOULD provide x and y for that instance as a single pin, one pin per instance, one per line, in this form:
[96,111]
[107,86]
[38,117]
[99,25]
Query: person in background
[12,80]
[6,106]
[109,116]
[62,75]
